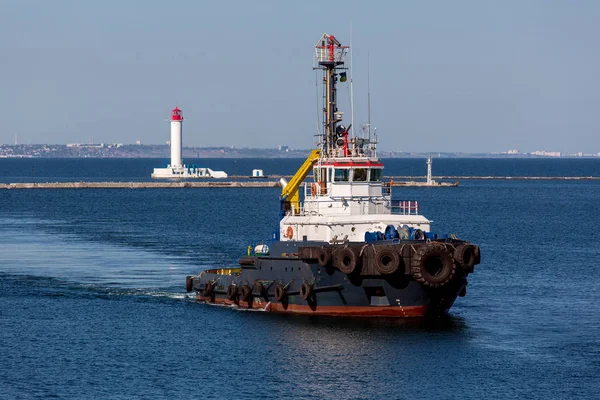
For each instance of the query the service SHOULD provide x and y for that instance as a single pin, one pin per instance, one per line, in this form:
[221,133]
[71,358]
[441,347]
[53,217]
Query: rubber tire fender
[260,288]
[323,256]
[348,260]
[189,283]
[246,293]
[387,260]
[280,292]
[477,255]
[208,289]
[232,292]
[433,256]
[465,256]
[306,291]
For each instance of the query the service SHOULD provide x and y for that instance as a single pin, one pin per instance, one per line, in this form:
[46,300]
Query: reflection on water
[447,323]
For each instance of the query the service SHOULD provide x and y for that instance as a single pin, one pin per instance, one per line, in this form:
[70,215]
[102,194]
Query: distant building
[545,153]
[138,142]
[283,148]
[88,146]
[514,151]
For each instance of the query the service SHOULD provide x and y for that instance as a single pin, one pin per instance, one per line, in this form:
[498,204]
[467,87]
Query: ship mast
[330,57]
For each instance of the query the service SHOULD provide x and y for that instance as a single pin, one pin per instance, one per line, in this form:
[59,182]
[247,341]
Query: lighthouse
[177,169]
[176,121]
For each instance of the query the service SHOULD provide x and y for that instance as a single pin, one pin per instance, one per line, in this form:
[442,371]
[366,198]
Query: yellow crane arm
[290,197]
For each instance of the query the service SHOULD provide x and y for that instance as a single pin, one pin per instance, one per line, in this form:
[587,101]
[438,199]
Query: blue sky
[474,76]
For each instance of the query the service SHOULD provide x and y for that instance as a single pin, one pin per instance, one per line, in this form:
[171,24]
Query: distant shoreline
[97,151]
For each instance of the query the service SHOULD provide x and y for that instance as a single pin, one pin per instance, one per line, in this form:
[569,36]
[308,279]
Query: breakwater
[139,185]
[254,183]
[524,178]
[456,177]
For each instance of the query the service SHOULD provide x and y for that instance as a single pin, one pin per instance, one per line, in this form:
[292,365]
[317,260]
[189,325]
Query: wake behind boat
[343,245]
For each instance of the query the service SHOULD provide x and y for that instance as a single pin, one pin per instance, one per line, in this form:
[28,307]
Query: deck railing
[404,207]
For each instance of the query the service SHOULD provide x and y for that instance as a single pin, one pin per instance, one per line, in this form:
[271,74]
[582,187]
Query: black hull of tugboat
[316,278]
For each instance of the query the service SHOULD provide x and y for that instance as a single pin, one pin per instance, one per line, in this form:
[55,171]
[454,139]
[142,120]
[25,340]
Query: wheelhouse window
[376,174]
[341,175]
[318,175]
[359,175]
[321,175]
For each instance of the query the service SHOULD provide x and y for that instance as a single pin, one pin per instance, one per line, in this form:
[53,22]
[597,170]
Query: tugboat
[346,247]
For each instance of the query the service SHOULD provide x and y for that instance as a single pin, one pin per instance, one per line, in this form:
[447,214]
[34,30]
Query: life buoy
[465,256]
[323,256]
[348,260]
[433,265]
[387,261]
[208,289]
[232,292]
[280,292]
[189,283]
[246,293]
[306,291]
[313,190]
[289,233]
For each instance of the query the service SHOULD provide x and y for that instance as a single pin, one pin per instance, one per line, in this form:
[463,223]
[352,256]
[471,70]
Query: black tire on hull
[189,284]
[232,292]
[348,260]
[477,255]
[280,292]
[208,289]
[260,289]
[465,256]
[433,265]
[306,291]
[323,256]
[387,261]
[246,293]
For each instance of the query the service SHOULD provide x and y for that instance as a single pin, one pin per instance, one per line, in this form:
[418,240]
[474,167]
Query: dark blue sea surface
[13,170]
[93,305]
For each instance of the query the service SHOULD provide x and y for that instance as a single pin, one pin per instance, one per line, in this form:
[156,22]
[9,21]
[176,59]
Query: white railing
[323,54]
[313,189]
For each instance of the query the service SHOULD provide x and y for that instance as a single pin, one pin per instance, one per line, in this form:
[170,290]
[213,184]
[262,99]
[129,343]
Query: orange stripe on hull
[351,311]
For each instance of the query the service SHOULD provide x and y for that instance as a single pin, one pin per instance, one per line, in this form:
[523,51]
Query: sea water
[93,305]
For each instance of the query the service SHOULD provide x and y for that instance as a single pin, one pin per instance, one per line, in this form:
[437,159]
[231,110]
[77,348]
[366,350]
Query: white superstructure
[345,200]
[346,197]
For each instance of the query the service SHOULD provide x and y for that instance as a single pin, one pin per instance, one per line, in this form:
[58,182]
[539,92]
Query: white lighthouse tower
[430,181]
[177,169]
[176,122]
